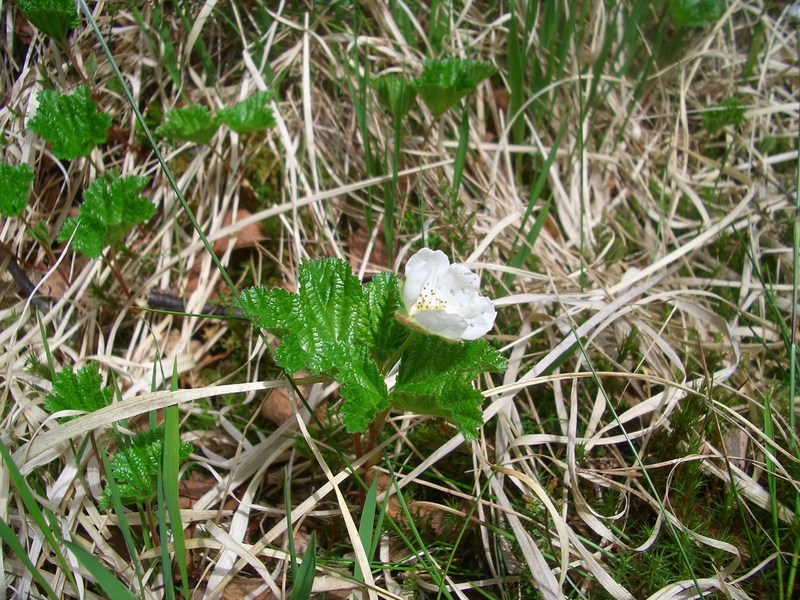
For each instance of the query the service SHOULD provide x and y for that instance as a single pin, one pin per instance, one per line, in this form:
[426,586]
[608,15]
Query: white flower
[443,298]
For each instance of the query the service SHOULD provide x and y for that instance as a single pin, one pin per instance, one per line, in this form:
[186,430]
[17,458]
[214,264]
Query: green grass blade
[523,252]
[462,532]
[425,558]
[10,540]
[793,565]
[172,442]
[287,502]
[119,510]
[366,527]
[301,590]
[463,146]
[516,79]
[112,586]
[391,191]
[36,514]
[163,534]
[152,142]
[48,355]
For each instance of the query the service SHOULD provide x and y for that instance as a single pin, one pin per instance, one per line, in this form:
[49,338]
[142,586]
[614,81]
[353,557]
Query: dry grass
[645,335]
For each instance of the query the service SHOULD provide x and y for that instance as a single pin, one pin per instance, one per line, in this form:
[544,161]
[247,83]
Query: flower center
[428,300]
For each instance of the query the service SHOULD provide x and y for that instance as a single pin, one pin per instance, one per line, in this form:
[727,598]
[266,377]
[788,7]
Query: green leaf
[276,310]
[320,325]
[249,115]
[444,82]
[54,18]
[15,184]
[71,123]
[136,465]
[696,13]
[384,333]
[396,92]
[363,390]
[730,112]
[112,207]
[458,403]
[325,330]
[192,124]
[78,391]
[435,379]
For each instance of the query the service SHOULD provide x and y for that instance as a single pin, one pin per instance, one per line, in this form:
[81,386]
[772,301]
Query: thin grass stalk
[521,253]
[172,443]
[772,484]
[463,529]
[10,540]
[42,521]
[461,150]
[391,189]
[425,558]
[793,350]
[640,463]
[122,520]
[152,142]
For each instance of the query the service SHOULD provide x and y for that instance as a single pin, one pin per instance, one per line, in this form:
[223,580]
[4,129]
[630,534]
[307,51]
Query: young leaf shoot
[192,124]
[444,82]
[249,115]
[71,123]
[136,465]
[15,185]
[112,207]
[82,390]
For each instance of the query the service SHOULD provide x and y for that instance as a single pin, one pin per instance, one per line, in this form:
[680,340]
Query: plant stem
[393,360]
[118,276]
[374,428]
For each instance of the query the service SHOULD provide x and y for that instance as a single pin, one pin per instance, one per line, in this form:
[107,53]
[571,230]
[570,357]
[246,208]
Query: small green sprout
[192,124]
[81,391]
[71,123]
[397,94]
[15,185]
[112,207]
[54,18]
[696,13]
[136,465]
[444,82]
[248,115]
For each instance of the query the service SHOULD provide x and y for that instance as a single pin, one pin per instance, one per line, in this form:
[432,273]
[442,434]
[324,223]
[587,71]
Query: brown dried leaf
[241,587]
[192,489]
[282,404]
[358,244]
[246,237]
[736,442]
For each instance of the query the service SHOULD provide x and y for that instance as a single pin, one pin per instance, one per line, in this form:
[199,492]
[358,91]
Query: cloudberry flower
[443,299]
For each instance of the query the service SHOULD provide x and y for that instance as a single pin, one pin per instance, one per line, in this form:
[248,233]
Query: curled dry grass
[645,336]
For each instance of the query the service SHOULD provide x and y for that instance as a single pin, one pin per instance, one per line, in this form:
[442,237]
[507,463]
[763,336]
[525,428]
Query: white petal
[424,266]
[458,285]
[441,323]
[481,321]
